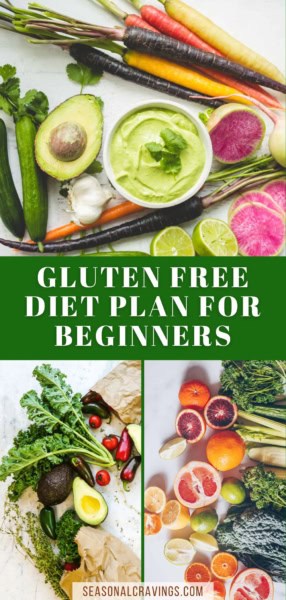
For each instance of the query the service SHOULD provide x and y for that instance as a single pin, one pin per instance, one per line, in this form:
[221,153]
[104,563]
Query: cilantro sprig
[33,104]
[169,153]
[83,75]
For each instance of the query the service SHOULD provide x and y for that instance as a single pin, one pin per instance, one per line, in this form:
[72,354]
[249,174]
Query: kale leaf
[67,529]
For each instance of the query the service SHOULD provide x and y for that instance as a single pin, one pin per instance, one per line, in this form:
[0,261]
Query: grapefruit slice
[252,584]
[197,484]
[220,412]
[259,230]
[190,425]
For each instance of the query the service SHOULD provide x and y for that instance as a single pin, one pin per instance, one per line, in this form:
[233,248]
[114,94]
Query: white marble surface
[18,576]
[162,382]
[258,23]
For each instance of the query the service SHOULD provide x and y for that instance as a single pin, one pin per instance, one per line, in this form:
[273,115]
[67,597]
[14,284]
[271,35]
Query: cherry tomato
[71,566]
[110,442]
[102,477]
[95,421]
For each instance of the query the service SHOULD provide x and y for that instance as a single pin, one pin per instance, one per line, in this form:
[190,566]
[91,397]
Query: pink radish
[257,196]
[259,230]
[277,191]
[236,132]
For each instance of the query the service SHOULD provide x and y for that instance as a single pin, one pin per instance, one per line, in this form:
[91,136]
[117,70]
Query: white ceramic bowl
[204,137]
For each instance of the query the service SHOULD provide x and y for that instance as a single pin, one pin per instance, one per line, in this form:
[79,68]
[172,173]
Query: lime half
[213,237]
[179,551]
[203,542]
[172,241]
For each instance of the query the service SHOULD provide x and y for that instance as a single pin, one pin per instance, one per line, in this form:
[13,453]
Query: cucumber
[34,184]
[11,211]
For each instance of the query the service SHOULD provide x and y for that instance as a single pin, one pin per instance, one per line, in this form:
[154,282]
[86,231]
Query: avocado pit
[68,141]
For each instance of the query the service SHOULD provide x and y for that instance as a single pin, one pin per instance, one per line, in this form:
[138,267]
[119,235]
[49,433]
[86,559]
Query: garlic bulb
[87,199]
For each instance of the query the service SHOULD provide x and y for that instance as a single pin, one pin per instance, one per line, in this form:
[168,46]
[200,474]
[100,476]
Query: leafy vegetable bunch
[58,430]
[34,104]
[265,488]
[67,529]
[253,382]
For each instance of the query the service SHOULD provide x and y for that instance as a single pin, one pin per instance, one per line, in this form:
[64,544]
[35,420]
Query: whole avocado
[55,486]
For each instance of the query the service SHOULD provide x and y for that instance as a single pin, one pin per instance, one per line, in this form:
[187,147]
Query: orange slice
[175,516]
[219,590]
[154,499]
[224,565]
[197,573]
[152,524]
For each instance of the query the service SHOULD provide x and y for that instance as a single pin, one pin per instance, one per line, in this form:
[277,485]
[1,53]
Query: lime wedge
[173,448]
[213,237]
[203,542]
[179,551]
[172,241]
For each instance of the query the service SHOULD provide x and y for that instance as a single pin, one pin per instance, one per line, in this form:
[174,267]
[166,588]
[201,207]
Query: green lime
[233,490]
[172,241]
[213,237]
[204,521]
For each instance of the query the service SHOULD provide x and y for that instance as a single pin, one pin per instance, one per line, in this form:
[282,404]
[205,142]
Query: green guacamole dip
[133,166]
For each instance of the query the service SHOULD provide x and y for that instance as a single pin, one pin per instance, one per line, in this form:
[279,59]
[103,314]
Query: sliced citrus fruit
[152,524]
[190,425]
[154,499]
[197,484]
[204,542]
[224,565]
[252,583]
[179,552]
[219,590]
[194,394]
[225,450]
[175,516]
[172,241]
[198,573]
[220,412]
[204,520]
[173,448]
[213,237]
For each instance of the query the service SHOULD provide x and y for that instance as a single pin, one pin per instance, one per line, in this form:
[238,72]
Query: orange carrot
[110,214]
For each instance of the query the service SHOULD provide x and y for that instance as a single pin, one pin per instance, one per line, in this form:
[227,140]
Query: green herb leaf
[83,75]
[171,163]
[204,116]
[5,105]
[95,167]
[7,72]
[35,104]
[156,150]
[174,142]
[265,488]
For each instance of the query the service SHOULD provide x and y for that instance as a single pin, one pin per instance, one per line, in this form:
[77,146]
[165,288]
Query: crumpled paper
[103,558]
[121,390]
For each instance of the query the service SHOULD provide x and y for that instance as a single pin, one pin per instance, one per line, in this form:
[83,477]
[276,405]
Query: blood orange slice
[190,425]
[220,412]
[197,573]
[197,484]
[252,583]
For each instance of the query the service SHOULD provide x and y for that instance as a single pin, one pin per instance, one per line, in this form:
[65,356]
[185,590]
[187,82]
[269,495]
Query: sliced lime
[213,237]
[179,551]
[173,448]
[172,241]
[203,542]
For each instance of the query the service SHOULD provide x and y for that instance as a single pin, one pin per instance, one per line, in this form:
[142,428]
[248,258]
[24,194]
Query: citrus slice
[252,583]
[190,425]
[197,484]
[173,448]
[220,412]
[179,552]
[224,565]
[213,237]
[219,590]
[154,499]
[197,573]
[203,542]
[175,516]
[172,241]
[152,524]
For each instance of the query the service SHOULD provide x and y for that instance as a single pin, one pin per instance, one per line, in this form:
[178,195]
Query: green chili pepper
[48,522]
[97,408]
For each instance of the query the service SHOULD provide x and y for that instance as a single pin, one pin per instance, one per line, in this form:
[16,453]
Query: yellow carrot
[183,76]
[220,39]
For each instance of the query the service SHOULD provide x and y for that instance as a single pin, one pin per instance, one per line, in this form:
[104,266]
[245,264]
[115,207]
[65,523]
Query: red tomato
[102,477]
[95,421]
[110,442]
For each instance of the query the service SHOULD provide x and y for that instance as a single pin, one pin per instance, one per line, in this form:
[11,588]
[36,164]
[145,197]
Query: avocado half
[83,112]
[89,504]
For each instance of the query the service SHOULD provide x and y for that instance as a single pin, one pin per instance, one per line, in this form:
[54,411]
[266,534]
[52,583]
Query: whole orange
[225,450]
[194,394]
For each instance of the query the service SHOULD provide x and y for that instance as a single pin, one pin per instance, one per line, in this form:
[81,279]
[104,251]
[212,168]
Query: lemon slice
[154,499]
[179,552]
[213,237]
[173,448]
[172,241]
[175,515]
[203,542]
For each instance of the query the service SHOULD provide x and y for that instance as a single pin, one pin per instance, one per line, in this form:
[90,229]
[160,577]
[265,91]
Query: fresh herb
[95,167]
[83,75]
[253,382]
[67,529]
[265,488]
[204,116]
[33,104]
[58,430]
[168,154]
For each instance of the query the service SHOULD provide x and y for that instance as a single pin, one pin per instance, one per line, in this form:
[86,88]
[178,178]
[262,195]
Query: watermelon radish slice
[255,196]
[277,191]
[259,230]
[252,584]
[197,484]
[236,133]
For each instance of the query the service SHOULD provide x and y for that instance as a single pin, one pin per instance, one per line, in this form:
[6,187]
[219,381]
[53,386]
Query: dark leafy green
[67,529]
[256,537]
[253,382]
[265,488]
[33,104]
